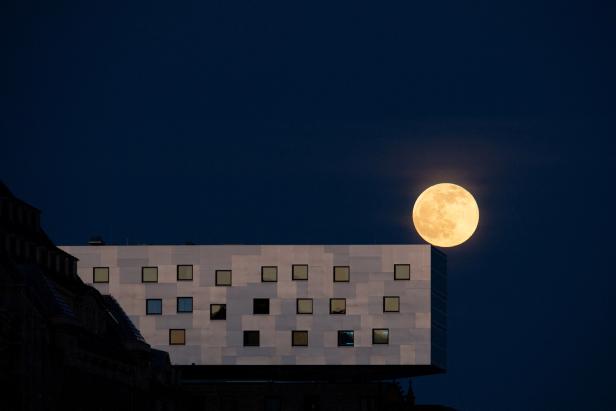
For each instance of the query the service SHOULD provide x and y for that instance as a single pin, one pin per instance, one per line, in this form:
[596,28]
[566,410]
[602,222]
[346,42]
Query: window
[100,274]
[260,306]
[299,338]
[346,338]
[402,271]
[177,337]
[185,273]
[251,338]
[223,277]
[299,271]
[269,274]
[218,311]
[304,305]
[391,304]
[153,306]
[185,305]
[380,336]
[149,274]
[273,404]
[337,305]
[342,273]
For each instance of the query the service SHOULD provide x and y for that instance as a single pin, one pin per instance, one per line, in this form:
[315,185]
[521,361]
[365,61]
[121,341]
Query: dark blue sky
[215,122]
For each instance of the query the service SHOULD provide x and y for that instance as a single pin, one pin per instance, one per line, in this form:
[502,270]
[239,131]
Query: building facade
[270,305]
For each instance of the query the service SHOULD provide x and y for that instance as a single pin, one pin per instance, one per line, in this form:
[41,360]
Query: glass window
[337,305]
[304,305]
[251,338]
[223,277]
[177,337]
[100,274]
[260,306]
[218,311]
[149,274]
[380,336]
[185,305]
[153,306]
[185,272]
[299,272]
[391,304]
[402,271]
[299,338]
[346,338]
[342,273]
[269,274]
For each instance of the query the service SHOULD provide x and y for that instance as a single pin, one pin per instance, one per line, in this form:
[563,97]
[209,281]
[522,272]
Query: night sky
[221,122]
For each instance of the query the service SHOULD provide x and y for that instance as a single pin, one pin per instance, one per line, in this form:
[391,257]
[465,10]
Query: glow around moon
[445,215]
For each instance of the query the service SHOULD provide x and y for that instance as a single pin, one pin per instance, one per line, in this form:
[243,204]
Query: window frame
[331,300]
[395,274]
[217,284]
[143,272]
[293,272]
[380,343]
[177,329]
[385,297]
[340,339]
[254,302]
[94,276]
[311,306]
[262,273]
[348,267]
[192,272]
[251,332]
[225,312]
[147,300]
[293,333]
[177,305]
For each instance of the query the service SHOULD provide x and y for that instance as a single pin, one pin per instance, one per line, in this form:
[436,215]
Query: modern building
[281,311]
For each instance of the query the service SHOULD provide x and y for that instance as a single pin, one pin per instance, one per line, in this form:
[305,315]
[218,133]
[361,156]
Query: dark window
[391,304]
[345,338]
[149,274]
[260,306]
[153,306]
[380,336]
[342,274]
[251,338]
[100,274]
[299,338]
[273,404]
[218,311]
[185,305]
[304,305]
[269,274]
[177,337]
[402,271]
[299,272]
[337,305]
[185,273]
[223,277]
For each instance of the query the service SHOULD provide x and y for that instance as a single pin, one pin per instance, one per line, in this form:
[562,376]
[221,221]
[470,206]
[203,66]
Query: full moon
[445,215]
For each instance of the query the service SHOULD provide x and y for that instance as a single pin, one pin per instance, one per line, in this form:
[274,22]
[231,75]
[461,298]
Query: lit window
[251,338]
[299,271]
[391,304]
[402,271]
[149,274]
[260,306]
[185,305]
[337,305]
[299,338]
[153,306]
[304,305]
[269,274]
[223,277]
[218,311]
[100,274]
[177,337]
[342,274]
[346,338]
[380,336]
[185,272]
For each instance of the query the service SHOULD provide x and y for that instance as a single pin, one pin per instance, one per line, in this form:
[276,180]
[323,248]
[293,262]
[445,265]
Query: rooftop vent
[96,240]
